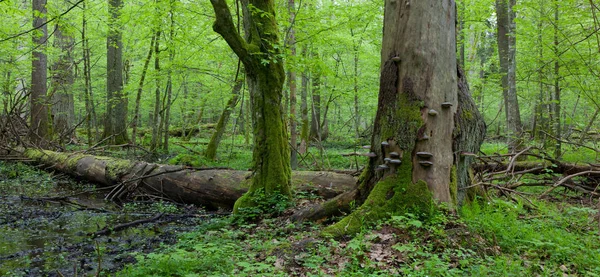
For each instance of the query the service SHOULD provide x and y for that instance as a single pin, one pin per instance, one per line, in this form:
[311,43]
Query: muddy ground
[54,226]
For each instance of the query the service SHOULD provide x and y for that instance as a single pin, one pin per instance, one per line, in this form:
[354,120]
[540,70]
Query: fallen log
[211,188]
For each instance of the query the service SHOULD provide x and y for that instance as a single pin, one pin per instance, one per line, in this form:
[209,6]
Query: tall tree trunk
[265,77]
[63,109]
[90,109]
[304,109]
[507,53]
[556,126]
[138,96]
[40,130]
[413,129]
[167,116]
[155,142]
[356,106]
[292,84]
[115,124]
[213,144]
[315,121]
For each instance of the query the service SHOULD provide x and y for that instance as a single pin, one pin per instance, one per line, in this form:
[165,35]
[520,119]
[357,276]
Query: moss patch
[394,195]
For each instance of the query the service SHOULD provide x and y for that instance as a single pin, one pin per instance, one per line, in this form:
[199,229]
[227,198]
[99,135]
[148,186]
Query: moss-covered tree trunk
[260,54]
[213,144]
[412,136]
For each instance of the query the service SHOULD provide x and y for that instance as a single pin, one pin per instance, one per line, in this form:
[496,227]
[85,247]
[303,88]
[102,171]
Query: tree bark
[304,110]
[115,123]
[138,97]
[63,109]
[40,130]
[556,105]
[507,53]
[213,144]
[265,77]
[292,84]
[413,129]
[207,187]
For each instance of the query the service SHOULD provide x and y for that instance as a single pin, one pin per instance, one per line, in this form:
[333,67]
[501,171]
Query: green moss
[407,120]
[454,186]
[394,195]
[115,168]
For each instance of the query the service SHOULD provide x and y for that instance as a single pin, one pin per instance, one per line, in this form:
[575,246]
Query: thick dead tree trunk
[210,188]
[115,123]
[40,129]
[213,144]
[265,77]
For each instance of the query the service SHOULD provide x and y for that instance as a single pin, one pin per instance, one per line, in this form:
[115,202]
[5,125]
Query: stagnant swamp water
[54,226]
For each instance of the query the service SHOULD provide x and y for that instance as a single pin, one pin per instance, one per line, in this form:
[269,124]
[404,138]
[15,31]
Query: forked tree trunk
[413,165]
[265,77]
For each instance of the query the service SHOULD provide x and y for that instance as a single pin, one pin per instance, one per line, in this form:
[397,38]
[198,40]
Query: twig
[562,181]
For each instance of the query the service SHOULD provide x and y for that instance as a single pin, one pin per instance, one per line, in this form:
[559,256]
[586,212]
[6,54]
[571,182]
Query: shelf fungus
[432,112]
[446,105]
[370,155]
[382,167]
[424,137]
[394,155]
[425,163]
[385,143]
[395,161]
[424,155]
[366,147]
[387,160]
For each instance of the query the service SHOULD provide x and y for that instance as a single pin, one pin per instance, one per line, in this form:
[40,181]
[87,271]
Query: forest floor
[48,222]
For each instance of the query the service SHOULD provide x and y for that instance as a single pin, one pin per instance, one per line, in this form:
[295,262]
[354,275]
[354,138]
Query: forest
[299,138]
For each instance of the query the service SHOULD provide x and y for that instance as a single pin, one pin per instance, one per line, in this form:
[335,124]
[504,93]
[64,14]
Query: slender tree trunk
[167,117]
[271,154]
[138,96]
[90,109]
[63,109]
[556,124]
[213,144]
[292,84]
[315,122]
[115,124]
[356,106]
[304,110]
[154,144]
[40,130]
[413,129]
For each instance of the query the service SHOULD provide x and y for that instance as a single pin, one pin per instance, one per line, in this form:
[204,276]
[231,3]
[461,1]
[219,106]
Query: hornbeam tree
[260,53]
[413,165]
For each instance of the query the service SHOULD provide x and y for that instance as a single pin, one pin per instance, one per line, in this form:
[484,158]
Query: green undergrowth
[498,238]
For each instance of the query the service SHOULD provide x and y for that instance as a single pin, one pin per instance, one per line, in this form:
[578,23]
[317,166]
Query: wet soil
[45,233]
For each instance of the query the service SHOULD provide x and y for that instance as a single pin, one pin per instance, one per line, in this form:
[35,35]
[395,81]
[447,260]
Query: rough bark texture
[213,144]
[40,123]
[63,109]
[469,132]
[507,54]
[265,77]
[210,188]
[418,75]
[115,122]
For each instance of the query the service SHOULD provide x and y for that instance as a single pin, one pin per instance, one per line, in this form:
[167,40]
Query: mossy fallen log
[212,188]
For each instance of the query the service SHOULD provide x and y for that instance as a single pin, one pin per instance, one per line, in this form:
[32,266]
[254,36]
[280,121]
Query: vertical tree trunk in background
[171,45]
[63,109]
[304,109]
[356,106]
[40,129]
[213,144]
[138,96]
[315,121]
[154,143]
[507,53]
[461,34]
[271,154]
[115,123]
[90,109]
[556,126]
[415,116]
[292,84]
[540,119]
